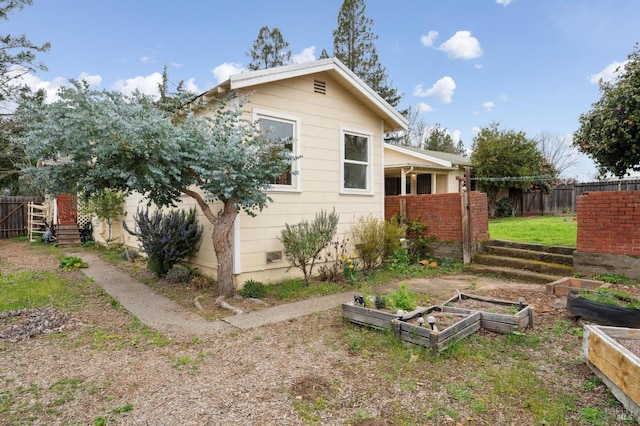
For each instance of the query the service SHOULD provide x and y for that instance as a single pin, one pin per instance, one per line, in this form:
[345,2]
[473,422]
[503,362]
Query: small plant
[71,263]
[333,258]
[380,302]
[368,235]
[107,206]
[403,298]
[399,261]
[304,241]
[179,274]
[253,289]
[611,297]
[394,232]
[350,269]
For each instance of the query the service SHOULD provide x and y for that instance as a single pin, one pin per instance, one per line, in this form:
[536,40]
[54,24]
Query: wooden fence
[563,197]
[13,215]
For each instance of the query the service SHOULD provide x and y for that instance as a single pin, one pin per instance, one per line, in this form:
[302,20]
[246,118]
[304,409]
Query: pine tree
[269,50]
[354,45]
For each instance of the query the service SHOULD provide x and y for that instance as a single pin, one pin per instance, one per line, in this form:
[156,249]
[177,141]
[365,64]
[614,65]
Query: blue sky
[532,65]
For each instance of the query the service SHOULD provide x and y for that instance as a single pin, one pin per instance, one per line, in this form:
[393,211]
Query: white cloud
[427,40]
[146,59]
[424,107]
[92,80]
[307,55]
[505,3]
[147,85]
[488,106]
[608,74]
[441,91]
[175,65]
[456,135]
[462,45]
[190,86]
[476,130]
[223,71]
[478,66]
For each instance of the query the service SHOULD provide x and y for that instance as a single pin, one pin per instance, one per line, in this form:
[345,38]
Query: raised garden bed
[602,312]
[451,325]
[562,286]
[499,316]
[370,317]
[613,354]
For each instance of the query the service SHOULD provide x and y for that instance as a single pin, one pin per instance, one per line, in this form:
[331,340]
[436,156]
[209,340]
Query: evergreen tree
[269,50]
[324,54]
[353,44]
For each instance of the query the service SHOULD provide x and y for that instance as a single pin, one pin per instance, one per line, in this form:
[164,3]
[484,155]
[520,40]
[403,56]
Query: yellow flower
[350,266]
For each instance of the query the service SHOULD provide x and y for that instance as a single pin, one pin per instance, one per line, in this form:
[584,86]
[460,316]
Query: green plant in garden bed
[612,297]
[71,263]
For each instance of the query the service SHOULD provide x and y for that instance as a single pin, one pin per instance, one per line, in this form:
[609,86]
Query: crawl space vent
[274,256]
[320,87]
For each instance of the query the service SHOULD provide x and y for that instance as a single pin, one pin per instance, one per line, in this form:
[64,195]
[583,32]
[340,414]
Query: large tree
[610,132]
[17,53]
[354,45]
[130,144]
[269,50]
[506,159]
[557,150]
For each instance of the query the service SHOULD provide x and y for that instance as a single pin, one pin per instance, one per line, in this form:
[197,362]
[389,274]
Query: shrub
[380,302]
[416,234]
[166,239]
[504,208]
[333,258]
[394,231]
[254,289]
[368,235]
[304,241]
[179,274]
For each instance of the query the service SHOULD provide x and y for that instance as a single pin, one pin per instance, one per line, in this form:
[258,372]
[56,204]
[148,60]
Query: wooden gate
[13,215]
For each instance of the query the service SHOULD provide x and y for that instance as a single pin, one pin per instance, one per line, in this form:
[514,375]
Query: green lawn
[546,230]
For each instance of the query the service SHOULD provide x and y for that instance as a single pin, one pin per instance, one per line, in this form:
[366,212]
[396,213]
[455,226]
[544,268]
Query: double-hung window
[277,127]
[356,158]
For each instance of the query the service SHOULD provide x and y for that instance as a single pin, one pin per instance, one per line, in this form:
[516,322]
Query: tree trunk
[223,248]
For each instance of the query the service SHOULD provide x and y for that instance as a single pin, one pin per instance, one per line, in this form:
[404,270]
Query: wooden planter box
[366,316]
[497,322]
[437,340]
[619,368]
[562,286]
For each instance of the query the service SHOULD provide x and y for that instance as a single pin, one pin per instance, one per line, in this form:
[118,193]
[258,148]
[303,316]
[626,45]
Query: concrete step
[538,266]
[521,253]
[568,251]
[512,274]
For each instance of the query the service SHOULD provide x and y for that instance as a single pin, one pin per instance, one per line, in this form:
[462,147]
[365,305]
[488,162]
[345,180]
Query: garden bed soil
[500,316]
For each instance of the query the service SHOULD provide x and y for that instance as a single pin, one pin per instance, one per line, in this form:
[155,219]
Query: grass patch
[34,289]
[545,230]
[297,289]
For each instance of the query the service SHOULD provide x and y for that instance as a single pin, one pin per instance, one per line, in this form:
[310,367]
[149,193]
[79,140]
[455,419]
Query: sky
[531,65]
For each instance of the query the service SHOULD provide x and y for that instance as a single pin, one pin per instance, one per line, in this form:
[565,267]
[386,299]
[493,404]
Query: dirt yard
[104,367]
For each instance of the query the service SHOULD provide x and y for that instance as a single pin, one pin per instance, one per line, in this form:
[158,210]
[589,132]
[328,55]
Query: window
[276,128]
[356,162]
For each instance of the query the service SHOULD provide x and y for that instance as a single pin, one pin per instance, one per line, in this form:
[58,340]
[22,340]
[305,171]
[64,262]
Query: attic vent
[320,87]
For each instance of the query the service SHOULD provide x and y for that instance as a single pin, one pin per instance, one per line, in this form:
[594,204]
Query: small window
[278,127]
[356,162]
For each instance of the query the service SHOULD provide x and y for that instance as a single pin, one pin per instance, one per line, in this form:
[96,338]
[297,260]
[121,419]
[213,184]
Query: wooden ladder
[36,217]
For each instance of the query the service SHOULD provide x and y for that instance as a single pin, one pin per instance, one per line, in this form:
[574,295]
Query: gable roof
[441,158]
[394,121]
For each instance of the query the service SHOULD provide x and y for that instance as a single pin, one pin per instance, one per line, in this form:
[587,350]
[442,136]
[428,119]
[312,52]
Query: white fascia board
[414,154]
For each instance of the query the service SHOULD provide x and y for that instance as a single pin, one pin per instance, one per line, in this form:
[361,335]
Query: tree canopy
[610,132]
[506,159]
[269,50]
[104,140]
[354,45]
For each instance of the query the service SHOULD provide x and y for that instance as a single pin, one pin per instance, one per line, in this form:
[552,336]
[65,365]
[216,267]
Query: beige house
[337,124]
[410,170]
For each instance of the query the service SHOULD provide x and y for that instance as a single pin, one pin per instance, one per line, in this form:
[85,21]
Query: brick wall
[609,222]
[443,214]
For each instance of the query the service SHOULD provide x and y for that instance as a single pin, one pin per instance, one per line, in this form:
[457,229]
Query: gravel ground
[106,368]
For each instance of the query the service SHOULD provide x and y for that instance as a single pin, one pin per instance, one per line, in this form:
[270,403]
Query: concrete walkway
[164,315]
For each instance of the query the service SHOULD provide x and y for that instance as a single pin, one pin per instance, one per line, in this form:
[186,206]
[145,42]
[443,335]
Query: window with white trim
[278,127]
[356,162]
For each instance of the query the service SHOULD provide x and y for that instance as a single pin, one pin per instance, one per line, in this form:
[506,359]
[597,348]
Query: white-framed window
[276,126]
[356,154]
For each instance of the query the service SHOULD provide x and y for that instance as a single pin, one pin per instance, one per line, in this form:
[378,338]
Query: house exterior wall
[321,118]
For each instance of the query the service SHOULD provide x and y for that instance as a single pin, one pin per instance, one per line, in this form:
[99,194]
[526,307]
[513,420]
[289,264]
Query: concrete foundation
[597,263]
